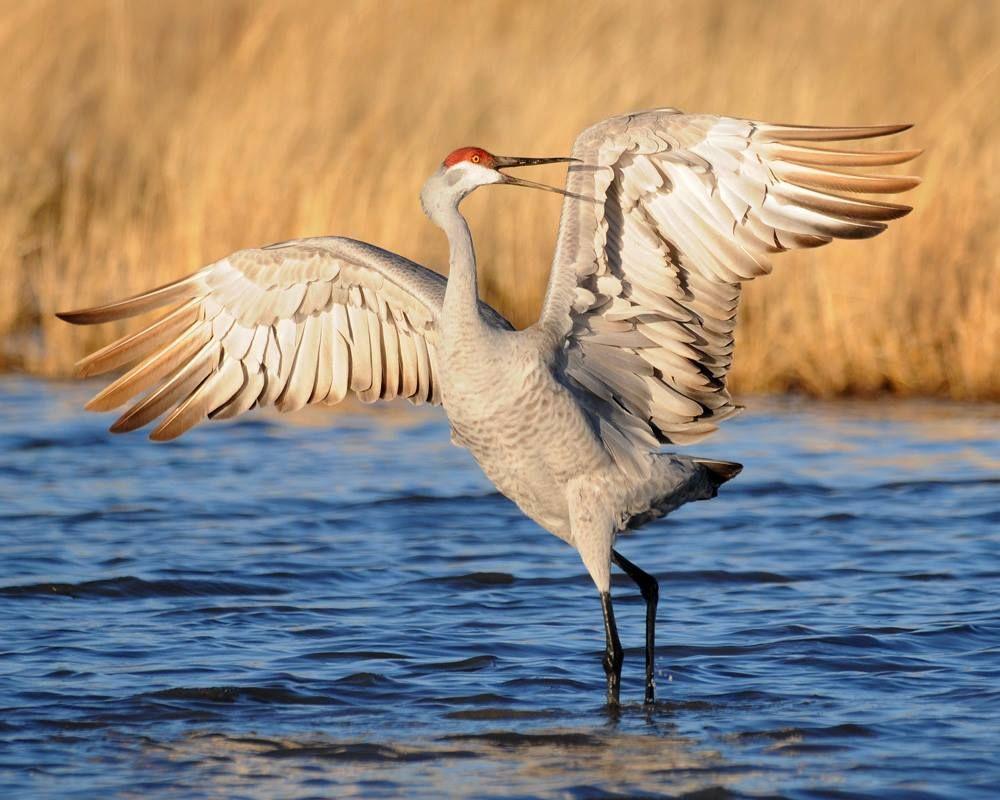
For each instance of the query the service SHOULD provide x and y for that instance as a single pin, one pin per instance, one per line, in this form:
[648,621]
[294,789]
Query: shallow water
[340,605]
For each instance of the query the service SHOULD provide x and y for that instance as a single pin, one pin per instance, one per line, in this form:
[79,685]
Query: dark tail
[720,471]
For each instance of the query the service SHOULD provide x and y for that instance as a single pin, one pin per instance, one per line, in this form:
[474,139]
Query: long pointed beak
[510,161]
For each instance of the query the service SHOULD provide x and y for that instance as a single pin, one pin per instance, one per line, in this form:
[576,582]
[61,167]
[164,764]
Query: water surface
[340,605]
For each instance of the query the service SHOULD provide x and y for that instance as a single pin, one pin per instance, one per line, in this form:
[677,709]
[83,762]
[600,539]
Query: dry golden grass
[142,140]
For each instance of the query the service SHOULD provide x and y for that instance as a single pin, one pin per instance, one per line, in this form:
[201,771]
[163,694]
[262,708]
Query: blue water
[339,605]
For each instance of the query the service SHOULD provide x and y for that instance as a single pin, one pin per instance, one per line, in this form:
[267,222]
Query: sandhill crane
[666,214]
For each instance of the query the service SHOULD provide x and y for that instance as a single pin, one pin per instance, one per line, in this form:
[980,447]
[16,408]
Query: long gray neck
[461,298]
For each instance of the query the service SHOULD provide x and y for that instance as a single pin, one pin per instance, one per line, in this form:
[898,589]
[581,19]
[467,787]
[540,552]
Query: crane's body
[517,430]
[665,216]
[528,432]
[531,438]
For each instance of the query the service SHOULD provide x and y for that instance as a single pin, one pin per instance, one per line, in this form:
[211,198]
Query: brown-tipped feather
[244,399]
[158,366]
[171,392]
[814,223]
[869,210]
[822,157]
[139,345]
[182,289]
[787,240]
[818,133]
[827,179]
[217,390]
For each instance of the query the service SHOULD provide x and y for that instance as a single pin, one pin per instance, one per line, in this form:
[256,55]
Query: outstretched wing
[672,213]
[304,321]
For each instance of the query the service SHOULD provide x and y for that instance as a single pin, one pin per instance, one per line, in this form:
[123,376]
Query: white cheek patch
[472,175]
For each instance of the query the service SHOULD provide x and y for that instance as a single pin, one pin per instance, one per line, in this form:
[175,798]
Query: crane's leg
[650,590]
[613,654]
[593,535]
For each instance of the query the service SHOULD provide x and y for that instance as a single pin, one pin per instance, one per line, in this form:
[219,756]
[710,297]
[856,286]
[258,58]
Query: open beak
[510,161]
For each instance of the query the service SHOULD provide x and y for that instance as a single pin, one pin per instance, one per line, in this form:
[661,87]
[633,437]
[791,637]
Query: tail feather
[678,484]
[720,471]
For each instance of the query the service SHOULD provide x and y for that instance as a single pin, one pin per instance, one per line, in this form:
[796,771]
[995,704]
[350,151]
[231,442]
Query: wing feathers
[244,399]
[815,178]
[215,391]
[423,371]
[408,363]
[688,208]
[133,306]
[813,133]
[836,205]
[155,368]
[341,380]
[822,157]
[303,322]
[302,376]
[138,345]
[361,353]
[390,359]
[172,391]
[324,364]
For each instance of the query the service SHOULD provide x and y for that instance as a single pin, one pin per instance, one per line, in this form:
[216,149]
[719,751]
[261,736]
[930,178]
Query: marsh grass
[143,140]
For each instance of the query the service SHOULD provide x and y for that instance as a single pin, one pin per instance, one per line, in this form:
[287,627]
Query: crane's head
[468,168]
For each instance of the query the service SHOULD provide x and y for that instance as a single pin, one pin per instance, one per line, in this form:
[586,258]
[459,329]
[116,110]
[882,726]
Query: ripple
[927,577]
[365,679]
[338,751]
[873,665]
[499,714]
[417,499]
[547,682]
[472,580]
[938,483]
[838,516]
[783,489]
[231,694]
[29,442]
[129,587]
[485,698]
[472,664]
[846,730]
[514,739]
[725,576]
[354,655]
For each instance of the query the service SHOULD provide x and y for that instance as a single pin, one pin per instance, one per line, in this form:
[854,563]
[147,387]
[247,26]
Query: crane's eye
[475,159]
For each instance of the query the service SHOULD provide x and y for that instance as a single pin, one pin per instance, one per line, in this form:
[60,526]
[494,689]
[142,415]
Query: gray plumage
[666,215]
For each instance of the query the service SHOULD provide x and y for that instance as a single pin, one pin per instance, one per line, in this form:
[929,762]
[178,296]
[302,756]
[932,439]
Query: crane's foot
[613,654]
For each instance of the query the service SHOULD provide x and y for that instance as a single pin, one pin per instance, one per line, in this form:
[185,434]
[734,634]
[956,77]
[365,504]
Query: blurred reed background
[143,140]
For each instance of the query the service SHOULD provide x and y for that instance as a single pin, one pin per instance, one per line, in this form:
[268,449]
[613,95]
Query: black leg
[613,654]
[650,590]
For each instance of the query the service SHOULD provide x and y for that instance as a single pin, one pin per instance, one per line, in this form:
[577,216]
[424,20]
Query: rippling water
[341,606]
